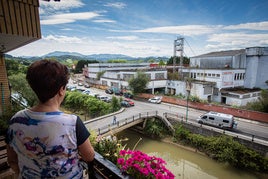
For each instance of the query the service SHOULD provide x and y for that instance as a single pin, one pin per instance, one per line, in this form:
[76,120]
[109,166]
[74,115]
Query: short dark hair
[46,77]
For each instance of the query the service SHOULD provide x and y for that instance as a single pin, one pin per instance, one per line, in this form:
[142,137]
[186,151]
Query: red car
[129,101]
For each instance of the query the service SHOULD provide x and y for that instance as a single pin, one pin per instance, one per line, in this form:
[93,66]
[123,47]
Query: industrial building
[233,77]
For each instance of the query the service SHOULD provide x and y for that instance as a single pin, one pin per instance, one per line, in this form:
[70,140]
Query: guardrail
[251,138]
[123,123]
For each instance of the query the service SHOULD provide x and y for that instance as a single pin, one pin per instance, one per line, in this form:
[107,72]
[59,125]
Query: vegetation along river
[184,163]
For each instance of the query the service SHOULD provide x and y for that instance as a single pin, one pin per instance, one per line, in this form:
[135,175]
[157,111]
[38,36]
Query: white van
[218,120]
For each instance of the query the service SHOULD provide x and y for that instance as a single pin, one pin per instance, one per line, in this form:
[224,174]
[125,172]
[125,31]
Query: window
[204,117]
[211,118]
[225,121]
[159,76]
[126,77]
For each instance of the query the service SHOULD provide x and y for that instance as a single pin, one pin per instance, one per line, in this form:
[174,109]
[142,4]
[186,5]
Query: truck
[217,119]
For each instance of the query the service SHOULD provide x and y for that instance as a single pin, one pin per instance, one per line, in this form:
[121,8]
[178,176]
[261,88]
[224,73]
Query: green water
[185,164]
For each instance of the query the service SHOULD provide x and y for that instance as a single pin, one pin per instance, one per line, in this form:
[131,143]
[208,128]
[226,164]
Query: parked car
[109,91]
[125,104]
[130,102]
[71,87]
[105,98]
[86,85]
[95,95]
[128,95]
[155,99]
[87,91]
[118,92]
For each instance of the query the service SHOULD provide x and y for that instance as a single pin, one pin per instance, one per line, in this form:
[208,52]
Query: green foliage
[138,83]
[15,67]
[20,85]
[108,147]
[224,149]
[161,63]
[173,76]
[115,104]
[81,64]
[99,74]
[194,98]
[6,116]
[117,61]
[181,134]
[261,105]
[91,106]
[156,128]
[185,61]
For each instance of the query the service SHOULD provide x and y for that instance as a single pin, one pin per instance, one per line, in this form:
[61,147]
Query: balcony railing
[99,168]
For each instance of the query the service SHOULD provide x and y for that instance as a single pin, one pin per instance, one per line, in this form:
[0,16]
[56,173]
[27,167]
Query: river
[184,164]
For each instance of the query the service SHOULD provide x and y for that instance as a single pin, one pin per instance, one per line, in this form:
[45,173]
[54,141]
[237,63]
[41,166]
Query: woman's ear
[62,90]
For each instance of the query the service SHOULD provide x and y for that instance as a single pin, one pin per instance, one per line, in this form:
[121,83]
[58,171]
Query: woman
[44,142]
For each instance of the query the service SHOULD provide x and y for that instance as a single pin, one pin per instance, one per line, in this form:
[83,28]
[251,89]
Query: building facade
[232,77]
[117,75]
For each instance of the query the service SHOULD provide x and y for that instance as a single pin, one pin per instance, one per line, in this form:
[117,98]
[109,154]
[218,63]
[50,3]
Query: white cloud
[229,37]
[124,37]
[62,39]
[226,41]
[68,18]
[249,26]
[118,5]
[187,30]
[64,5]
[104,21]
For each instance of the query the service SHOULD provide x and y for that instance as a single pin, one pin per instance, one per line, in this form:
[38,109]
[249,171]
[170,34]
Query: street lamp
[188,94]
[188,90]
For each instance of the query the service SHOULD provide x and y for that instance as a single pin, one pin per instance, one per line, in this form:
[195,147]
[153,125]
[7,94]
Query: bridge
[122,124]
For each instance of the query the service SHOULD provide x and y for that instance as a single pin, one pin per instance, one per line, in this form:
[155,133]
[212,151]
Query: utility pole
[178,47]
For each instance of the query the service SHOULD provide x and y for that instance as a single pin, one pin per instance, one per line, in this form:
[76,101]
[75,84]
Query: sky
[142,28]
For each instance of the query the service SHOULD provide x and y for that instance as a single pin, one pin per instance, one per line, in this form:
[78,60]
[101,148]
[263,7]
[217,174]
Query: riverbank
[184,162]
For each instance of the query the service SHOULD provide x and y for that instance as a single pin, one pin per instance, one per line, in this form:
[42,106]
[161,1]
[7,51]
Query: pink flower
[141,165]
[120,161]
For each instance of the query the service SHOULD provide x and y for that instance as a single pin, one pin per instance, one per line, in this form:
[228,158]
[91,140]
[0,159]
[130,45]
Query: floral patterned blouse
[46,143]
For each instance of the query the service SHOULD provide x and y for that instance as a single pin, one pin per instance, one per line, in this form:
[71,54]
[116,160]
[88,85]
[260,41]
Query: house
[233,77]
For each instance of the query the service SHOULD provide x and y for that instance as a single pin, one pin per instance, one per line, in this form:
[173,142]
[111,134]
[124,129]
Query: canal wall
[246,114]
[262,149]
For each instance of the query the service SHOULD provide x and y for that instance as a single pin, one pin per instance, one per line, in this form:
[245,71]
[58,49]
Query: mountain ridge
[79,56]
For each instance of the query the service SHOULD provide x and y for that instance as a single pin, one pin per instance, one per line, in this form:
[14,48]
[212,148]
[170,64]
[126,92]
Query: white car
[105,98]
[156,99]
[86,91]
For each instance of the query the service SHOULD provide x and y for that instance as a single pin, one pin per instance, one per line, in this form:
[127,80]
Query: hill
[59,55]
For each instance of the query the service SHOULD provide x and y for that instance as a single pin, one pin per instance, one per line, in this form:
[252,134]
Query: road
[245,126]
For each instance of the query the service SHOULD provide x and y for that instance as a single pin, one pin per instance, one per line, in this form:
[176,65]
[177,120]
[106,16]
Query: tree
[161,63]
[138,83]
[185,61]
[14,67]
[115,104]
[20,85]
[81,64]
